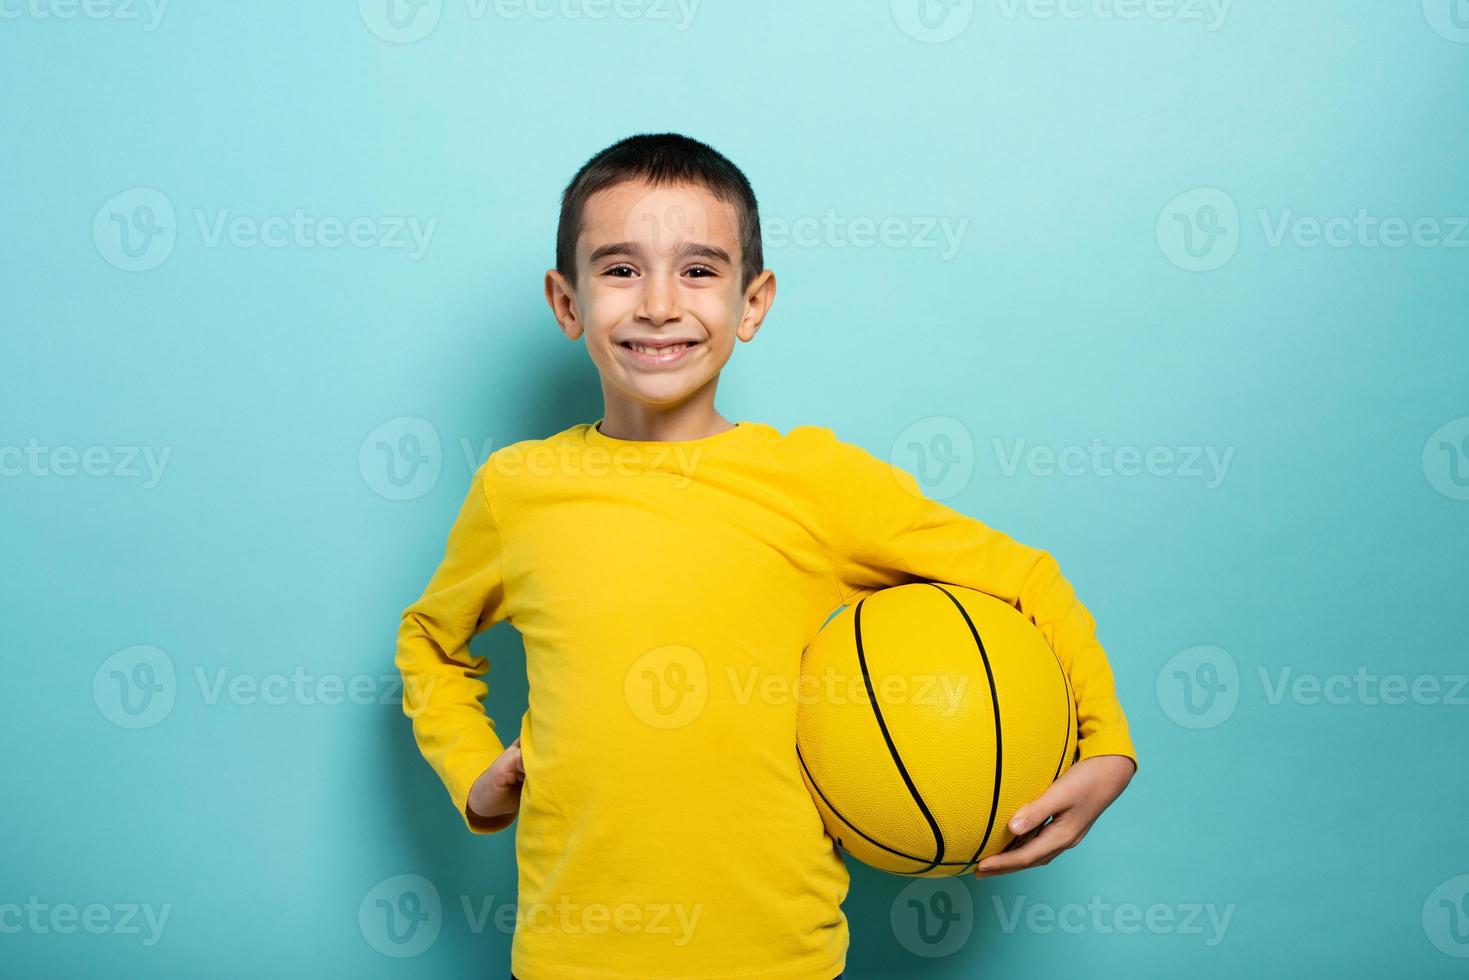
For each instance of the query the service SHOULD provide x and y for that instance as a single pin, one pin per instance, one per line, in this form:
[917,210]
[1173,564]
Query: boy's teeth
[658,351]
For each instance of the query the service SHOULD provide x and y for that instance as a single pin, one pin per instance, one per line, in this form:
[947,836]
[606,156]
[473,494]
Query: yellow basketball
[930,714]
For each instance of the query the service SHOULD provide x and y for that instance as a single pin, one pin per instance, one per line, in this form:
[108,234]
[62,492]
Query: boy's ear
[561,298]
[758,299]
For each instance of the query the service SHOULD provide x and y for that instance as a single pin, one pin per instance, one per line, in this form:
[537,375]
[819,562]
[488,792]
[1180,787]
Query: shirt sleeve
[885,532]
[442,690]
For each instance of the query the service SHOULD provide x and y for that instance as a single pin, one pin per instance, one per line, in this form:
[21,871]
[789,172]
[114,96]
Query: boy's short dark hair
[661,159]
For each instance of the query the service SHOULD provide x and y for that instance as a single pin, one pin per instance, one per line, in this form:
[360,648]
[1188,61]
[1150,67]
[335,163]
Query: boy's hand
[1073,802]
[494,799]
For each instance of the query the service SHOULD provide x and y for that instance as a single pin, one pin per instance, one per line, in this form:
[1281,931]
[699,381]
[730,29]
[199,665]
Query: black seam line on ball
[1065,715]
[989,827]
[933,825]
[858,831]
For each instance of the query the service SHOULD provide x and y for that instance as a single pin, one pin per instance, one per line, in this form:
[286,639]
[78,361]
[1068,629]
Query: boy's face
[659,267]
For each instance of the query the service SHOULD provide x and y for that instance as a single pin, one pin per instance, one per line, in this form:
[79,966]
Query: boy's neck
[640,422]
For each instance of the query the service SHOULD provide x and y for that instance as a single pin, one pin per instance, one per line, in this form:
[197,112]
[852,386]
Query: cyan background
[1073,310]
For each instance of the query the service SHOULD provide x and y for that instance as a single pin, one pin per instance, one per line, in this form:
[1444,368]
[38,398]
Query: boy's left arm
[885,532]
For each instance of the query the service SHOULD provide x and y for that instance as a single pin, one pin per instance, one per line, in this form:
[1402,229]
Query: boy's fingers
[1049,841]
[1023,839]
[1029,817]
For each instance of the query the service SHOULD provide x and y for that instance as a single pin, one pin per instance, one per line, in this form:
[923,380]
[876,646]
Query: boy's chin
[657,396]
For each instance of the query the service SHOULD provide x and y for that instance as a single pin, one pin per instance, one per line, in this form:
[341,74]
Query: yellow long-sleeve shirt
[665,592]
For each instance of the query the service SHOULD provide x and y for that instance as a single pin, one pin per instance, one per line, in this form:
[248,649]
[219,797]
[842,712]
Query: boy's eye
[623,271]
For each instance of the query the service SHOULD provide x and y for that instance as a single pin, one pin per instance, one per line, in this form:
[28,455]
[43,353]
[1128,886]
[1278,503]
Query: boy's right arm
[442,690]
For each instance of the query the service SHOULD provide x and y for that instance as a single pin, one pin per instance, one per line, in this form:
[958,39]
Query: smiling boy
[652,558]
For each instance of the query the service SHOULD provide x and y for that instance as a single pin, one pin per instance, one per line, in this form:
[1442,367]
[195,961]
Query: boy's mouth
[659,352]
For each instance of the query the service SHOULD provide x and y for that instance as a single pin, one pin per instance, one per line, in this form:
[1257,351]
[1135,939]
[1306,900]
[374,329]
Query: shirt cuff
[1108,742]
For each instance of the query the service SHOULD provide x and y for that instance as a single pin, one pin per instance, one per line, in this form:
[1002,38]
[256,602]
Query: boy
[662,565]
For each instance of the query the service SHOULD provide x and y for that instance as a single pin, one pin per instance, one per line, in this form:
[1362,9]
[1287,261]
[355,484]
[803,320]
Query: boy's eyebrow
[633,248]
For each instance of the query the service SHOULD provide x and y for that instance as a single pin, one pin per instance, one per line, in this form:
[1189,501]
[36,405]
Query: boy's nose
[659,301]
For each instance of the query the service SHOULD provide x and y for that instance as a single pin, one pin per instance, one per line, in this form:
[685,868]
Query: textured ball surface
[930,714]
